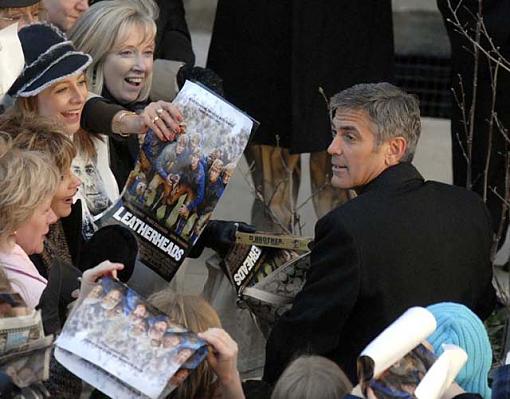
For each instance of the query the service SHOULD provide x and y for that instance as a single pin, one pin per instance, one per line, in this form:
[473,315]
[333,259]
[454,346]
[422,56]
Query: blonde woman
[28,181]
[120,38]
[32,132]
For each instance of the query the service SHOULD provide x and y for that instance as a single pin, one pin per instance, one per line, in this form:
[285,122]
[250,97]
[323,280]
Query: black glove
[219,235]
[114,243]
[205,76]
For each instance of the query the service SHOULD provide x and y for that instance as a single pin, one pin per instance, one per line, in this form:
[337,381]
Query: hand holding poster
[397,365]
[120,344]
[267,276]
[175,186]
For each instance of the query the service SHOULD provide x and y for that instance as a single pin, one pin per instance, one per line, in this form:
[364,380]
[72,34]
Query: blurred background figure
[274,58]
[23,12]
[64,13]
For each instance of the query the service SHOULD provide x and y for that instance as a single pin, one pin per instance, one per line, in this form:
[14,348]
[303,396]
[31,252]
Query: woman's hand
[164,119]
[222,358]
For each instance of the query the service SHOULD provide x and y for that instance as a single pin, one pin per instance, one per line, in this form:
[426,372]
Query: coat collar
[404,174]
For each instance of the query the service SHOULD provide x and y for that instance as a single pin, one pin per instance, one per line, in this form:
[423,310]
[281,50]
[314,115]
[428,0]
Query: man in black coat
[401,242]
[273,57]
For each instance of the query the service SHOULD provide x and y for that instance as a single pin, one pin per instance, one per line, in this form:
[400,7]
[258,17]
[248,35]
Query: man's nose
[335,146]
[82,5]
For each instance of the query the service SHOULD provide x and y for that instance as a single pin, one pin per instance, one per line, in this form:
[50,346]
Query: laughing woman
[28,181]
[53,85]
[36,133]
[120,38]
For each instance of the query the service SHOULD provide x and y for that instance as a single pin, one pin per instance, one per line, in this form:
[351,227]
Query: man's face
[181,145]
[92,185]
[355,158]
[171,341]
[194,161]
[227,175]
[112,299]
[64,13]
[139,327]
[158,330]
[96,292]
[140,310]
[214,173]
[22,15]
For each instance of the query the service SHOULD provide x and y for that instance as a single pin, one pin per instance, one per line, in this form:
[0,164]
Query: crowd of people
[72,123]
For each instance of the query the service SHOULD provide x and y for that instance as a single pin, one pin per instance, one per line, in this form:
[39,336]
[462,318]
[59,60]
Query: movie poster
[175,186]
[117,342]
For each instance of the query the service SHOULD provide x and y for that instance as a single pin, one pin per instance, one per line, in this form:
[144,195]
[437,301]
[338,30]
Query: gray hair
[394,112]
[98,30]
[312,377]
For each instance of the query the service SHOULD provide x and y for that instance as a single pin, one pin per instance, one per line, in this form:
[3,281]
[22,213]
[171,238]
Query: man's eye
[349,137]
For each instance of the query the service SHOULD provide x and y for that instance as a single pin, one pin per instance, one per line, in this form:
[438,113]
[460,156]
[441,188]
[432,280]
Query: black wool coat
[402,242]
[274,55]
[173,40]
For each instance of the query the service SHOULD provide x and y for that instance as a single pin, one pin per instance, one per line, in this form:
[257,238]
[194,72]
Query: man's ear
[396,149]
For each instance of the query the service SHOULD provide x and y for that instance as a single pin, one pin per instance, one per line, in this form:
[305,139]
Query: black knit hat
[17,3]
[49,58]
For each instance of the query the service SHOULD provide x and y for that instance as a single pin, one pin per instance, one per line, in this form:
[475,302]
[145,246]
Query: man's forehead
[350,119]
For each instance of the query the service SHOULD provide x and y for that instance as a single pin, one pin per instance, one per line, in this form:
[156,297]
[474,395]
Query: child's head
[312,377]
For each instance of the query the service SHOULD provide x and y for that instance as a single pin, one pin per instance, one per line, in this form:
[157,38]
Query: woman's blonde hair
[32,132]
[27,179]
[26,106]
[312,377]
[194,313]
[99,30]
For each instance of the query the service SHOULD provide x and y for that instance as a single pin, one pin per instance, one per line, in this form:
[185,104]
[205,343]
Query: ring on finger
[159,111]
[156,118]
